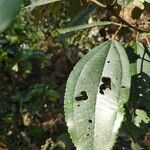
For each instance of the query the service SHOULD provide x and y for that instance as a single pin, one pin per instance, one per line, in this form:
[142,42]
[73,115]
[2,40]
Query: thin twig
[98,3]
[147,40]
[110,8]
[137,37]
[117,32]
[123,21]
[119,24]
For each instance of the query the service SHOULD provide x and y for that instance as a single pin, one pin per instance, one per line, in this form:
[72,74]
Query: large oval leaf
[96,90]
[8,10]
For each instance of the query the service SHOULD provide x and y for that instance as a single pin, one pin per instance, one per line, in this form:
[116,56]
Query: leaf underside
[96,90]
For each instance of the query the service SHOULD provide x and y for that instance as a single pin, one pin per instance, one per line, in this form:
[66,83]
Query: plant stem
[110,8]
[117,32]
[98,3]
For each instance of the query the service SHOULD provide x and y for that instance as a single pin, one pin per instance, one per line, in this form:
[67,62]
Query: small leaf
[15,67]
[143,63]
[141,116]
[85,26]
[3,56]
[94,120]
[36,3]
[135,146]
[124,2]
[16,95]
[53,95]
[9,118]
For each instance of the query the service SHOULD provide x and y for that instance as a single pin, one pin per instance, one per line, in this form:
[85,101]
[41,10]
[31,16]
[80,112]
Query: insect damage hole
[123,87]
[82,96]
[106,84]
[90,121]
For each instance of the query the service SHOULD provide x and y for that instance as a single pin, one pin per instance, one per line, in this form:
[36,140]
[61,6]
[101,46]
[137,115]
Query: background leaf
[35,3]
[135,146]
[124,2]
[80,18]
[141,116]
[8,10]
[85,26]
[139,57]
[143,63]
[96,91]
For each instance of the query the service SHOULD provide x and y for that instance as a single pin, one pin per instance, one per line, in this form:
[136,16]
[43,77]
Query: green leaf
[8,10]
[16,95]
[85,26]
[27,54]
[140,68]
[36,3]
[135,146]
[53,95]
[141,116]
[15,67]
[9,118]
[3,56]
[139,58]
[124,2]
[96,90]
[143,63]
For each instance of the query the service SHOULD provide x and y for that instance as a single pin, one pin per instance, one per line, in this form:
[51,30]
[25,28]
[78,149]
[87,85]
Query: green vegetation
[103,104]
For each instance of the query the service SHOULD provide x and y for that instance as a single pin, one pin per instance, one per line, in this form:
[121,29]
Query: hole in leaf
[123,86]
[82,96]
[90,121]
[108,61]
[78,105]
[106,84]
[88,134]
